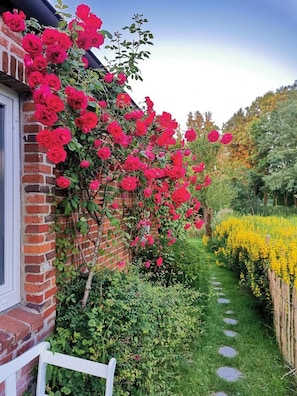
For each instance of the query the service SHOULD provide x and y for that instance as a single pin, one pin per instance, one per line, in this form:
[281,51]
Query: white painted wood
[8,370]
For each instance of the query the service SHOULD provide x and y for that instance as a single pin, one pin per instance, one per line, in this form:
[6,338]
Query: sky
[208,55]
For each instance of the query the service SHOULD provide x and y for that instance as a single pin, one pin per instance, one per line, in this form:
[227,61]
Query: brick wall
[33,319]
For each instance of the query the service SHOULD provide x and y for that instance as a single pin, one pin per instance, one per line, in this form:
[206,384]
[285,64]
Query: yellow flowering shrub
[251,244]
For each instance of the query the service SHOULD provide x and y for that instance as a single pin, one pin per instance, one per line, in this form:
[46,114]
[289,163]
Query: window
[9,199]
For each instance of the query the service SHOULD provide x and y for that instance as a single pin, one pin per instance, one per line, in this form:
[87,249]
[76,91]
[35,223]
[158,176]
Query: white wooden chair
[8,370]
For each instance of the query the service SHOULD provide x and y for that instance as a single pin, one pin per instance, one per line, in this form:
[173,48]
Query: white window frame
[10,289]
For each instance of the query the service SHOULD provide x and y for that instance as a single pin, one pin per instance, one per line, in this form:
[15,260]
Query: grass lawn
[259,360]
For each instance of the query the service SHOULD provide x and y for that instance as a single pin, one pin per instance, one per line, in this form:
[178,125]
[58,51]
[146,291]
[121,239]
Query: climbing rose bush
[105,147]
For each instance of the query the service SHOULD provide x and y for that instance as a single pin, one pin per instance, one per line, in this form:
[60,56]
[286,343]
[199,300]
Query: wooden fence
[284,300]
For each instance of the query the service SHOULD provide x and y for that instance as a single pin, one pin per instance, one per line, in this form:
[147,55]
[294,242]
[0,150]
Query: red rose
[15,21]
[32,44]
[121,79]
[94,185]
[44,138]
[123,100]
[55,53]
[176,172]
[39,63]
[82,11]
[227,138]
[180,195]
[150,173]
[35,78]
[61,136]
[131,163]
[114,129]
[87,121]
[104,153]
[63,40]
[213,136]
[198,168]
[199,223]
[97,39]
[141,128]
[63,182]
[190,135]
[53,81]
[84,164]
[46,116]
[76,99]
[49,36]
[159,261]
[55,103]
[94,22]
[108,78]
[129,183]
[56,154]
[207,181]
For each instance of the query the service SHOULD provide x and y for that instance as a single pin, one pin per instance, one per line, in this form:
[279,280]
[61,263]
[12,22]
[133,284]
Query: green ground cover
[263,370]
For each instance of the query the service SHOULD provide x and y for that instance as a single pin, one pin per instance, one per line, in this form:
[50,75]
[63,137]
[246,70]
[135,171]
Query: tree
[276,140]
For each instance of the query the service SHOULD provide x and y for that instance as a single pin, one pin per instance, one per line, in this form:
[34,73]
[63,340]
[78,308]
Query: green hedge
[146,327]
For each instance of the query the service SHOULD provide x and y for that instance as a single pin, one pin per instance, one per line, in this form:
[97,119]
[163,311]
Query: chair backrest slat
[74,363]
[8,370]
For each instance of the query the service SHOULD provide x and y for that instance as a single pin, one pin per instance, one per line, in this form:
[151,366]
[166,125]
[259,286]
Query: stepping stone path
[227,351]
[230,321]
[223,301]
[229,374]
[219,394]
[230,333]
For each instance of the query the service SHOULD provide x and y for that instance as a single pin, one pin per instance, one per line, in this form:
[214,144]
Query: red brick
[18,51]
[29,367]
[5,340]
[13,64]
[49,312]
[38,168]
[50,274]
[38,209]
[34,320]
[11,325]
[34,278]
[42,248]
[33,260]
[35,228]
[36,287]
[51,237]
[21,71]
[51,255]
[5,62]
[33,158]
[3,42]
[7,358]
[32,148]
[29,106]
[38,178]
[34,238]
[32,128]
[35,198]
[51,292]
[36,299]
